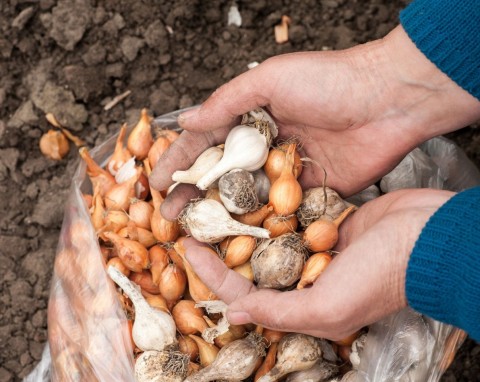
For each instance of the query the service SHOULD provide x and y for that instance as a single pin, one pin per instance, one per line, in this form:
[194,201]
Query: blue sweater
[443,273]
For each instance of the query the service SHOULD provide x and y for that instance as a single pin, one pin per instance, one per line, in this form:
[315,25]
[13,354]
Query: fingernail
[238,318]
[187,115]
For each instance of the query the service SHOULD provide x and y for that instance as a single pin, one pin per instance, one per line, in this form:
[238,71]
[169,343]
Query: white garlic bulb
[209,222]
[153,329]
[161,366]
[237,191]
[246,148]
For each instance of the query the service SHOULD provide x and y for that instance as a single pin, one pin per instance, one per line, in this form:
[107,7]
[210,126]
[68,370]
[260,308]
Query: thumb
[242,94]
[285,311]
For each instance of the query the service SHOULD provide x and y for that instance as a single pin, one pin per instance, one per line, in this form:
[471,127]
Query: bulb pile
[256,218]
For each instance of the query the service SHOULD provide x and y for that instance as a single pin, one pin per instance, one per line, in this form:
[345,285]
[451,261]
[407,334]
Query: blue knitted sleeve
[443,273]
[448,33]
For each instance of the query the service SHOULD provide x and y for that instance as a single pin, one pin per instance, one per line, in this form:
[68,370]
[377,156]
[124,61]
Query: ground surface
[72,57]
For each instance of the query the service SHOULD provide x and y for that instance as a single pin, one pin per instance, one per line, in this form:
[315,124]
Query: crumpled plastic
[88,336]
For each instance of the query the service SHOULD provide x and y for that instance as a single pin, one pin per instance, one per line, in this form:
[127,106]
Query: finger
[225,283]
[176,200]
[182,154]
[286,311]
[242,94]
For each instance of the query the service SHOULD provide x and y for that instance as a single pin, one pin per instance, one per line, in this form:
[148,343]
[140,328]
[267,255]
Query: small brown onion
[279,225]
[144,279]
[54,145]
[115,220]
[189,320]
[322,235]
[314,266]
[140,139]
[254,218]
[117,263]
[171,135]
[286,193]
[245,270]
[140,213]
[159,260]
[98,176]
[172,284]
[239,250]
[273,336]
[207,352]
[120,154]
[119,196]
[133,255]
[276,160]
[268,363]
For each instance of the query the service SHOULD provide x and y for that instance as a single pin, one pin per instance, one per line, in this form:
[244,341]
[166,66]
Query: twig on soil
[116,100]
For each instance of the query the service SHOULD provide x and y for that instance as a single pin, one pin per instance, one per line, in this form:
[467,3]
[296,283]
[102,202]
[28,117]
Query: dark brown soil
[71,57]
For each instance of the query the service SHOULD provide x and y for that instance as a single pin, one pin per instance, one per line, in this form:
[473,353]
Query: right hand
[356,112]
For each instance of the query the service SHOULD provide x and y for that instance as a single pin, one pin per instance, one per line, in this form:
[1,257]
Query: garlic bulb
[317,373]
[314,207]
[262,185]
[153,329]
[277,263]
[245,147]
[237,191]
[209,222]
[295,352]
[161,366]
[236,361]
[209,158]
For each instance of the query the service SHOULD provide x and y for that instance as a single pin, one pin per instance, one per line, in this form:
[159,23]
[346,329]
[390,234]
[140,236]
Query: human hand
[362,284]
[356,113]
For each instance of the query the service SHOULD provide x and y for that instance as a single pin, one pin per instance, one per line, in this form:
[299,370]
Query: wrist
[432,104]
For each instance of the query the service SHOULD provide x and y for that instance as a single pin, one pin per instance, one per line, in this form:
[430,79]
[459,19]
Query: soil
[72,57]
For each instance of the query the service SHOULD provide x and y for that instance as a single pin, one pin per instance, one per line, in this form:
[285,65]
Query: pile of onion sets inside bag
[254,215]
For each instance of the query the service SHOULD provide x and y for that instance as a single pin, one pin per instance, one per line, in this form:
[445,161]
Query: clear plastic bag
[88,335]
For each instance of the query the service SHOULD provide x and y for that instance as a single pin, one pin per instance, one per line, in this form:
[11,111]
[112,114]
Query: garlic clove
[209,158]
[319,372]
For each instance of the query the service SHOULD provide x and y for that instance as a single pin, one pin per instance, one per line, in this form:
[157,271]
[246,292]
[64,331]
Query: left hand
[362,284]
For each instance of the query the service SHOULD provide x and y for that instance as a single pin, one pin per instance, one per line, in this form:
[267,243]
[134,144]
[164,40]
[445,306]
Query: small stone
[99,16]
[39,319]
[36,350]
[23,18]
[5,375]
[185,101]
[45,5]
[9,158]
[348,15]
[330,3]
[23,115]
[48,212]
[156,35]
[119,21]
[25,359]
[95,54]
[130,47]
[69,23]
[5,48]
[32,231]
[18,343]
[84,82]
[115,70]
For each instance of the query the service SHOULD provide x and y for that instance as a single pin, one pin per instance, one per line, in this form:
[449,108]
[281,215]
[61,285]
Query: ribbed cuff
[448,33]
[443,273]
